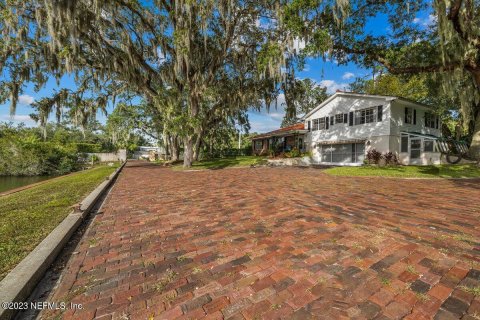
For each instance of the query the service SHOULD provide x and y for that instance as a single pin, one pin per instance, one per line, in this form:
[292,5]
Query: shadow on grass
[429,170]
[217,164]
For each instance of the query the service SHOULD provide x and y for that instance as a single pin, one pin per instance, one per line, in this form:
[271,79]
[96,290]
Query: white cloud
[265,120]
[277,115]
[333,86]
[276,107]
[264,23]
[427,21]
[262,126]
[17,118]
[25,99]
[334,61]
[348,75]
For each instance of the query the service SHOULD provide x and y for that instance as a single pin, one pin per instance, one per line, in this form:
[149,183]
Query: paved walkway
[268,243]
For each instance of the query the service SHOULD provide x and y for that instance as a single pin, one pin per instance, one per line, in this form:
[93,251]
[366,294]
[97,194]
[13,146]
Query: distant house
[343,128]
[280,140]
[147,153]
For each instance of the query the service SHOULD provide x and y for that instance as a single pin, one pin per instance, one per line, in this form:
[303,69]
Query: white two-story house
[343,128]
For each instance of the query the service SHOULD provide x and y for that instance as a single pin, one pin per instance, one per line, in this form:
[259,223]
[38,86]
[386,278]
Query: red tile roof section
[297,126]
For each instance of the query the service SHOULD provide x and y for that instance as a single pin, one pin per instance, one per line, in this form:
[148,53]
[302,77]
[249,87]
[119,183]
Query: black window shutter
[350,120]
[345,117]
[309,125]
[406,115]
[380,113]
[414,116]
[437,122]
[331,120]
[326,123]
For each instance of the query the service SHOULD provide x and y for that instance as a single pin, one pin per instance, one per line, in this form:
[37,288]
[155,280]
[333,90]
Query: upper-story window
[430,120]
[410,115]
[318,124]
[321,123]
[340,118]
[366,115]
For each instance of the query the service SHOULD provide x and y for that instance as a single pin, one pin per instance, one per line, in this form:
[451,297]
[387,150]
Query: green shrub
[28,158]
[94,158]
[294,153]
[67,165]
[87,147]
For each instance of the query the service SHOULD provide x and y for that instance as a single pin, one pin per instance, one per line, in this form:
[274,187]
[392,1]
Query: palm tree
[45,107]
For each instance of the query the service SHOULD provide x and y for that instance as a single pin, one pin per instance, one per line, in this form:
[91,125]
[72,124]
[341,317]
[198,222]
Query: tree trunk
[174,148]
[188,144]
[459,130]
[188,152]
[198,143]
[177,148]
[474,151]
[166,144]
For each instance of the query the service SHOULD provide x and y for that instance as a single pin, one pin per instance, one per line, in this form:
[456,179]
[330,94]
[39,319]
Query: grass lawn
[240,161]
[440,171]
[28,216]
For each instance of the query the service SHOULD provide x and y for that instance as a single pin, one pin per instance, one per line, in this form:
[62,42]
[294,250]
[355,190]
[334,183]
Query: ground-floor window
[415,148]
[428,145]
[258,144]
[343,153]
[414,145]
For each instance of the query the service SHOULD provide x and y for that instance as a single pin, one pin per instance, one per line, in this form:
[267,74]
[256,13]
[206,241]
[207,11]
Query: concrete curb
[22,280]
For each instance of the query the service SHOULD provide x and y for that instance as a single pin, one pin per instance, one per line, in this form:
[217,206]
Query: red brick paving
[271,243]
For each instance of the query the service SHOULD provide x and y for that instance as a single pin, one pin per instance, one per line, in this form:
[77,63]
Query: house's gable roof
[362,95]
[293,128]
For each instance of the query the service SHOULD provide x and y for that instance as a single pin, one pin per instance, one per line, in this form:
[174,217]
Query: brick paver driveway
[278,243]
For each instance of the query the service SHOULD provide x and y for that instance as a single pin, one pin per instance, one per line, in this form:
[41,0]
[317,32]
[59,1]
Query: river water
[12,182]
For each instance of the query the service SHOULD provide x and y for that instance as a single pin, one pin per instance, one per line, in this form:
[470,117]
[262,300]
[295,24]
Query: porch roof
[419,134]
[298,128]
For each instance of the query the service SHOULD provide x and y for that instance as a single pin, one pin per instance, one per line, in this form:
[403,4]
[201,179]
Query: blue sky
[325,73]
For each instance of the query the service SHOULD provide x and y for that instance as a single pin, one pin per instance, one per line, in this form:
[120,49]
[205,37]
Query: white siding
[346,104]
[397,121]
[398,125]
[377,133]
[384,136]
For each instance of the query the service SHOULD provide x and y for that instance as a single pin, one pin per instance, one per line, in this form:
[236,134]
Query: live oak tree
[190,47]
[448,47]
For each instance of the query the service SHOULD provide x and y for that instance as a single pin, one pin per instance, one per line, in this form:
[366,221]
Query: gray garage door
[343,153]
